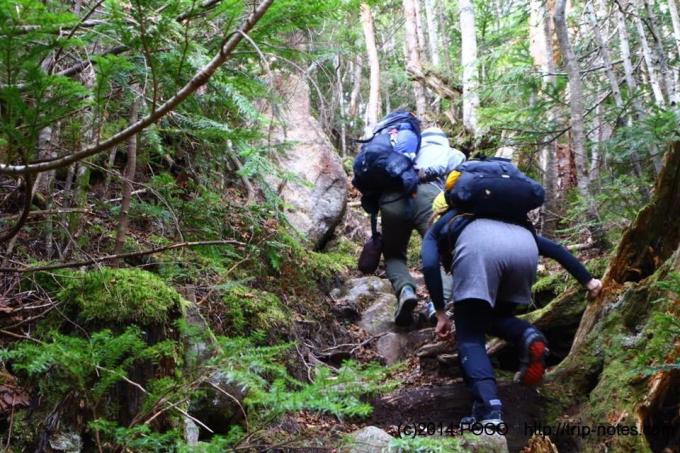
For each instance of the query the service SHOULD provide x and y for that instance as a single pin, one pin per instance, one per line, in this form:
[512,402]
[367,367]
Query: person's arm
[431,262]
[553,250]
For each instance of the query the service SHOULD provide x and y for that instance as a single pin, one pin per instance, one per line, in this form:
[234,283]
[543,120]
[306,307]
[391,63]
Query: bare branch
[101,259]
[199,79]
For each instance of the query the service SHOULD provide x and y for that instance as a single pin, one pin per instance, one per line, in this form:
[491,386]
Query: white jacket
[435,157]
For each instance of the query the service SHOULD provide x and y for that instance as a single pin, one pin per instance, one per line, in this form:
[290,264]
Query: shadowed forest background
[179,233]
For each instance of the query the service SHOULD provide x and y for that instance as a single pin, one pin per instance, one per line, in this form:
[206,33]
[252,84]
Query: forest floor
[430,393]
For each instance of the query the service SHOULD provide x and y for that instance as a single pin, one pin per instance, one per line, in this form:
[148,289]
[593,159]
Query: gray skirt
[494,261]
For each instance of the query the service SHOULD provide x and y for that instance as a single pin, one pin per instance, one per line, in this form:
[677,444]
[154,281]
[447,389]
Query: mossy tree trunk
[623,367]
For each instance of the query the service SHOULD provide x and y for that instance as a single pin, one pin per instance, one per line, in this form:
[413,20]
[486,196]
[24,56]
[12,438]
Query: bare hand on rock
[594,287]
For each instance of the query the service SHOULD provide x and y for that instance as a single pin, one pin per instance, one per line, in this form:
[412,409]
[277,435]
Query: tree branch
[101,259]
[199,79]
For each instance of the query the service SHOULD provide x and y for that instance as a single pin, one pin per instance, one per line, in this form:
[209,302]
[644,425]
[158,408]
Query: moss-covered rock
[250,310]
[120,296]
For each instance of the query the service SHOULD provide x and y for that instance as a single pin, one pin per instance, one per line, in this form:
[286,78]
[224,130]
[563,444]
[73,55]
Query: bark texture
[413,54]
[373,105]
[614,373]
[469,63]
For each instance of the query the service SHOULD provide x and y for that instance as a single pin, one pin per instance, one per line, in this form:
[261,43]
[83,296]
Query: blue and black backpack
[378,167]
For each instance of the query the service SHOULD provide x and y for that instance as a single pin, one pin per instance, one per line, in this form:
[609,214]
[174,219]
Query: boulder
[68,442]
[396,346]
[379,317]
[369,440]
[317,197]
[221,404]
[484,443]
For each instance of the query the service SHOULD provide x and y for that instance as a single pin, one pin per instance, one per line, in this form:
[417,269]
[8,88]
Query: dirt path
[431,390]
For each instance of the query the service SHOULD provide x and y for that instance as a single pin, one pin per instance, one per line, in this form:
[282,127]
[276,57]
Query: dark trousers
[473,319]
[400,215]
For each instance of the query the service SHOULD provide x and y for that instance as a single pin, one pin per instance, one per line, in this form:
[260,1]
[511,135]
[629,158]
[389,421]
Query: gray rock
[356,288]
[369,440]
[221,404]
[191,432]
[485,443]
[396,346]
[379,317]
[68,442]
[316,202]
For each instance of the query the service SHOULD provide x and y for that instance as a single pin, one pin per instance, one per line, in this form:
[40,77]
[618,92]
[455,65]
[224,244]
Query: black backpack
[489,188]
[378,168]
[494,188]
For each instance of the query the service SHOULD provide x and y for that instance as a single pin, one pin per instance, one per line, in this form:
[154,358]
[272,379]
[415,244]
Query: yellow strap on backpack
[452,179]
[439,205]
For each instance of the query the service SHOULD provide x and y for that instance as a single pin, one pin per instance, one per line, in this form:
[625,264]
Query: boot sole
[405,316]
[536,368]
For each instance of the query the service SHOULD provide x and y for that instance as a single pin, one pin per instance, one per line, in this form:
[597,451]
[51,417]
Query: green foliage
[663,330]
[90,366]
[428,444]
[138,438]
[271,391]
[109,295]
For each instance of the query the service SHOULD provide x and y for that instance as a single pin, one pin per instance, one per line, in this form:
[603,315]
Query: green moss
[555,283]
[249,310]
[112,295]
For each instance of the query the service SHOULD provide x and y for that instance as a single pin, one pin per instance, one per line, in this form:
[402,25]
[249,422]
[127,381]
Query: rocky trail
[431,392]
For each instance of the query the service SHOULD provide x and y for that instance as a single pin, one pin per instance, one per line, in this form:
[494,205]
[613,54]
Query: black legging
[474,318]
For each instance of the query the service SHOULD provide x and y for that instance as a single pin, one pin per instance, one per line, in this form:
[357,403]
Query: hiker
[399,171]
[401,215]
[493,264]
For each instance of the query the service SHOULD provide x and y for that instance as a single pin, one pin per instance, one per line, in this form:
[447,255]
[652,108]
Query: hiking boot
[407,302]
[469,420]
[431,312]
[483,416]
[532,361]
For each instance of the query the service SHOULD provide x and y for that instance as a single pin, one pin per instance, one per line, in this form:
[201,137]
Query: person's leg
[396,222]
[472,318]
[515,288]
[505,325]
[422,207]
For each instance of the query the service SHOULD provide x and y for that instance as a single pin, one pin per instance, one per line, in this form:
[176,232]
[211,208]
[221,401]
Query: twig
[143,390]
[121,256]
[233,398]
[199,79]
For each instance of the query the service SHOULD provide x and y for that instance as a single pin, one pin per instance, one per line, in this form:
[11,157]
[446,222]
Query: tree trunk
[413,56]
[469,63]
[422,44]
[575,98]
[432,31]
[606,59]
[541,50]
[661,57]
[613,370]
[673,8]
[341,105]
[577,121]
[445,40]
[631,83]
[128,178]
[356,88]
[373,106]
[647,53]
